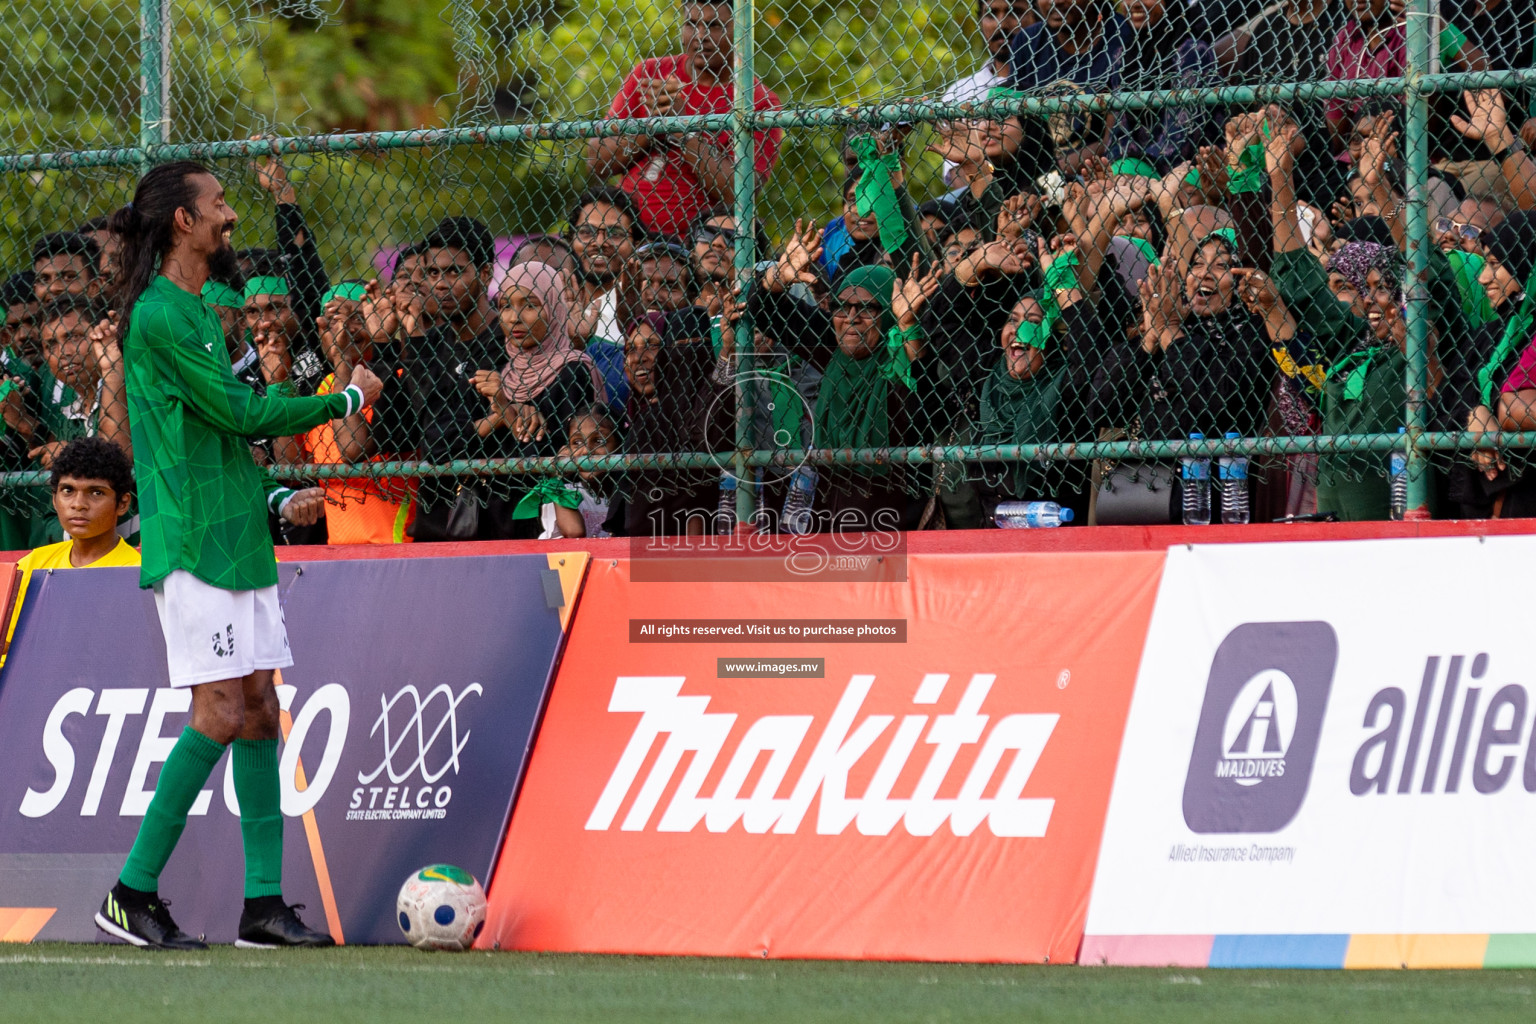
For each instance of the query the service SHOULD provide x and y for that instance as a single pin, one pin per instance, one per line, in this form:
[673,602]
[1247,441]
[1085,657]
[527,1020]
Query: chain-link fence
[659,267]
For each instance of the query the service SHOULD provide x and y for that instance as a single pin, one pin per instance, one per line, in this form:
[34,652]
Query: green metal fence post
[154,77]
[746,256]
[1416,290]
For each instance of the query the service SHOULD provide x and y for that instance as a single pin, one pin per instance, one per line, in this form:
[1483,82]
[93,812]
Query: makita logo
[1006,755]
[1441,744]
[1259,725]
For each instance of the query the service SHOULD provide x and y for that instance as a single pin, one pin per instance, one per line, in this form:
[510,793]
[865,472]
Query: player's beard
[224,263]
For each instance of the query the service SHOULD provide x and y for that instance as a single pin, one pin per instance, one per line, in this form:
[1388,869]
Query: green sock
[261,815]
[181,779]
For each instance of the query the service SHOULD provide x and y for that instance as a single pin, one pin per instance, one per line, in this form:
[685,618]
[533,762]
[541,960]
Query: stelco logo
[426,755]
[1257,738]
[1011,748]
[435,743]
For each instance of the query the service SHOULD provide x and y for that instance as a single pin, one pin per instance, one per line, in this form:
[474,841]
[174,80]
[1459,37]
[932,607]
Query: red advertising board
[938,793]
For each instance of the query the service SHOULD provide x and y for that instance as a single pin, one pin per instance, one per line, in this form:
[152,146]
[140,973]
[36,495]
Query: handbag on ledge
[1132,493]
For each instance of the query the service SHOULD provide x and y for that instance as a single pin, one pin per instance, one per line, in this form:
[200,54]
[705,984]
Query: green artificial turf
[74,983]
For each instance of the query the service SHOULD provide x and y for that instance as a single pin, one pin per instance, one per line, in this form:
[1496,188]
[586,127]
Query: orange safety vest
[363,510]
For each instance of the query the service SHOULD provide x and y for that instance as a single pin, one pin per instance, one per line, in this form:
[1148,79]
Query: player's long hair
[146,227]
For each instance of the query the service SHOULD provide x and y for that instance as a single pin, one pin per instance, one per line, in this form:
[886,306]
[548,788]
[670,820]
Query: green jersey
[202,500]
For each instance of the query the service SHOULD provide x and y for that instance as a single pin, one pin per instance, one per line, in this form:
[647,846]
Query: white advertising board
[1329,739]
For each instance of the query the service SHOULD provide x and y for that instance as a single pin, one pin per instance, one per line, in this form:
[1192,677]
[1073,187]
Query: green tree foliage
[369,65]
[243,67]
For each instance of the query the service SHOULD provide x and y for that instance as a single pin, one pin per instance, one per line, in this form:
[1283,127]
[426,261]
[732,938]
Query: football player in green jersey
[206,549]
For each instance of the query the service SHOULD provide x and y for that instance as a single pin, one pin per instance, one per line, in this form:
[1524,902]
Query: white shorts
[212,633]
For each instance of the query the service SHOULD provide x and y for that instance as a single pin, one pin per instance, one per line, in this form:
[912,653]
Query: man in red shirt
[673,178]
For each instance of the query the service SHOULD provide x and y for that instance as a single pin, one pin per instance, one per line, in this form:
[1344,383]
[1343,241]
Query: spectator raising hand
[1261,296]
[378,314]
[800,255]
[1163,308]
[1006,255]
[1378,190]
[1212,167]
[13,407]
[964,144]
[272,176]
[908,299]
[1487,122]
[107,353]
[662,97]
[1017,214]
[272,348]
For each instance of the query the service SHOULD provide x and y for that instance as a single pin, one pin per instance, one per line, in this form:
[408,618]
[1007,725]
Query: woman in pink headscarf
[547,379]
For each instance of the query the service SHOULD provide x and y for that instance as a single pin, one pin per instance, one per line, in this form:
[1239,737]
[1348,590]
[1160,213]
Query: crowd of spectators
[1090,275]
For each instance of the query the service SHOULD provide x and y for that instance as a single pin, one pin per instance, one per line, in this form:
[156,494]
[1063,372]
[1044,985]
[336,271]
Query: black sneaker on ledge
[143,922]
[269,923]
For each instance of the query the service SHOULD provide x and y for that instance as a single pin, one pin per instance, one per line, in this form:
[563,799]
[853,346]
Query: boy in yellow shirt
[92,488]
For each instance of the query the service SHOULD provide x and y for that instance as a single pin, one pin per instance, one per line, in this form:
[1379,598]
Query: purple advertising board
[409,714]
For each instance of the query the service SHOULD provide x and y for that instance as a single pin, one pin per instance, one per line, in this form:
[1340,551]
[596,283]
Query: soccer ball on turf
[441,907]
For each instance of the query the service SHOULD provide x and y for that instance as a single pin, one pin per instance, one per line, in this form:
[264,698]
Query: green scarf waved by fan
[549,491]
[1249,174]
[852,408]
[1465,268]
[1136,166]
[1015,411]
[875,192]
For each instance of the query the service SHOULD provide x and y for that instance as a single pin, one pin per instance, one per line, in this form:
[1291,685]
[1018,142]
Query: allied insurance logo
[1259,726]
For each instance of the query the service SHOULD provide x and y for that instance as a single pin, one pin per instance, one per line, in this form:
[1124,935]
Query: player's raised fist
[369,381]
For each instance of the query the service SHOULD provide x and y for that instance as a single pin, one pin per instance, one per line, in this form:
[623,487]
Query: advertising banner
[408,715]
[1329,762]
[897,770]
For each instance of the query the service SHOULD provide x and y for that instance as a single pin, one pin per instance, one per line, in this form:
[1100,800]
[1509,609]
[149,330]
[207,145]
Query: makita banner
[408,714]
[902,770]
[1330,761]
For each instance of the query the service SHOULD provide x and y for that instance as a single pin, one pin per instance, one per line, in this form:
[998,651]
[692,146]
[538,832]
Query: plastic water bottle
[1397,470]
[798,502]
[1030,515]
[1232,471]
[1196,475]
[725,516]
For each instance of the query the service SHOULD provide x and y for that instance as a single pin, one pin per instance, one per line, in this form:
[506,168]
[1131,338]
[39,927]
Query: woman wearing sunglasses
[868,348]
